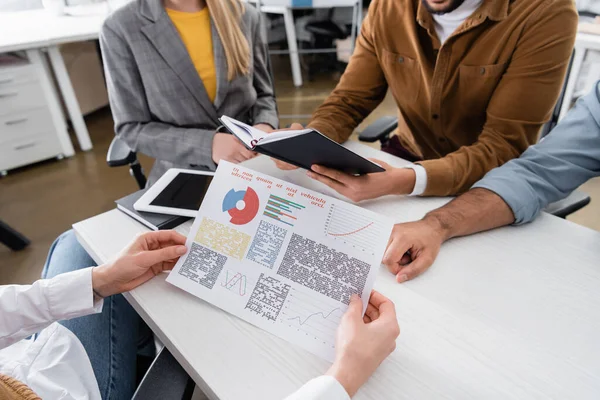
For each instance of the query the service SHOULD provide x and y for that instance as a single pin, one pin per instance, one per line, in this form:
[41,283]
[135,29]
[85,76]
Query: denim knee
[65,255]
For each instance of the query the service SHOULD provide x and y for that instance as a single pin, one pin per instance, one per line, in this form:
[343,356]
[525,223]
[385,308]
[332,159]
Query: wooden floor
[45,199]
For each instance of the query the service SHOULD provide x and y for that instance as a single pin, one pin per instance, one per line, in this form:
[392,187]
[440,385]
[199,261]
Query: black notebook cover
[153,221]
[314,148]
[308,149]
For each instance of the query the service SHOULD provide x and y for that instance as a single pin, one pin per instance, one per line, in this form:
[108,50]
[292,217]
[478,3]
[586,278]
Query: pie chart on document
[242,205]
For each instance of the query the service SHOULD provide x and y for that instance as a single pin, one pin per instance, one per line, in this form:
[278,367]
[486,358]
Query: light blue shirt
[553,168]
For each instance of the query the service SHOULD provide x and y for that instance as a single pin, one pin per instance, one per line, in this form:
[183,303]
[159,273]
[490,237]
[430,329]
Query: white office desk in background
[35,31]
[286,7]
[508,314]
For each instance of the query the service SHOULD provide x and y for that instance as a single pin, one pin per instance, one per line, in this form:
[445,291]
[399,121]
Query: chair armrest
[574,202]
[378,130]
[165,380]
[119,153]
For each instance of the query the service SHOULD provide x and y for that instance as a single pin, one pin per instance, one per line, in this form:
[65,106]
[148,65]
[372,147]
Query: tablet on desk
[177,192]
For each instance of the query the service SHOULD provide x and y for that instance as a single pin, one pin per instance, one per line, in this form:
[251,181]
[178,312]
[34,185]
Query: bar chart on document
[357,230]
[282,210]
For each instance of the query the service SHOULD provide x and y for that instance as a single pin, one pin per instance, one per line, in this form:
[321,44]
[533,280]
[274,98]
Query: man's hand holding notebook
[300,147]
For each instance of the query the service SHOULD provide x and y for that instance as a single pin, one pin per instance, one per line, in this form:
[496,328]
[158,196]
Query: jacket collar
[163,35]
[220,65]
[152,10]
[496,10]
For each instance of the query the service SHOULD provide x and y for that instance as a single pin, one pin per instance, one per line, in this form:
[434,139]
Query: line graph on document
[235,282]
[305,313]
[345,225]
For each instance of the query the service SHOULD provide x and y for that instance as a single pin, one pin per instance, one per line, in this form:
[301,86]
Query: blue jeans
[111,338]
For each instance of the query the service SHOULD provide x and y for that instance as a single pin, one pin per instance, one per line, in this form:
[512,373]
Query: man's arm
[549,171]
[515,192]
[360,90]
[521,103]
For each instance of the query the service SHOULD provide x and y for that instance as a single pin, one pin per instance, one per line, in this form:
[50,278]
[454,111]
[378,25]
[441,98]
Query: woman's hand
[362,343]
[147,256]
[264,127]
[227,147]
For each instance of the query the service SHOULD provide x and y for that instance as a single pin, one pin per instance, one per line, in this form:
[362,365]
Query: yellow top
[194,29]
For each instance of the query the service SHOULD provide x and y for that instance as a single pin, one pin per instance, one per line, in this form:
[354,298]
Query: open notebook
[302,148]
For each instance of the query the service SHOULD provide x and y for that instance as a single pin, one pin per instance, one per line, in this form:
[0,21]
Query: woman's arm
[265,108]
[27,309]
[362,343]
[133,120]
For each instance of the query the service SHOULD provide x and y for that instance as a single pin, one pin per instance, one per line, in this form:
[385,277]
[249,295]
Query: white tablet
[177,192]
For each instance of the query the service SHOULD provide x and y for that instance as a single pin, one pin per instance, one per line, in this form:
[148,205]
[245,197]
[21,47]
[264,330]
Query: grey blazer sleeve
[552,169]
[133,121]
[265,108]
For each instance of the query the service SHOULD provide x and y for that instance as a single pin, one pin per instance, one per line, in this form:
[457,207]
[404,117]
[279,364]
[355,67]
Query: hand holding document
[284,258]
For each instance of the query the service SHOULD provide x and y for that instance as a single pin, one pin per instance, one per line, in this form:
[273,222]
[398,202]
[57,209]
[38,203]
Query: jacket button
[435,116]
[400,59]
[482,71]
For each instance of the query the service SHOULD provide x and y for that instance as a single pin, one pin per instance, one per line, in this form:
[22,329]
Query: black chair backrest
[548,126]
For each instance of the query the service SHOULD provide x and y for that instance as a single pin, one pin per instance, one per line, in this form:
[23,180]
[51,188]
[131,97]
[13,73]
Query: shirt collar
[496,10]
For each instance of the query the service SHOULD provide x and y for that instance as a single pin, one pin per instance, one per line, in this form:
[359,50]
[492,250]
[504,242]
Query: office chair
[11,238]
[120,154]
[381,130]
[324,34]
[165,380]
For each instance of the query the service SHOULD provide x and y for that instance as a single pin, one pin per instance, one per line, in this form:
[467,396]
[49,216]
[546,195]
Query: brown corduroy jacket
[465,107]
[12,389]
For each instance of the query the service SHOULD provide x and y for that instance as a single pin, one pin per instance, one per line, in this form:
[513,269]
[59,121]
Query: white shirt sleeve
[27,309]
[420,181]
[322,388]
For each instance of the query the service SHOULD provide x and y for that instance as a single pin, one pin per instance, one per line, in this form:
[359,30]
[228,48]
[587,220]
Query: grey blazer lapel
[221,67]
[164,37]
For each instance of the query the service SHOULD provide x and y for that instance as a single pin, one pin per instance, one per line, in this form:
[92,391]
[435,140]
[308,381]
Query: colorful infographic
[249,209]
[282,257]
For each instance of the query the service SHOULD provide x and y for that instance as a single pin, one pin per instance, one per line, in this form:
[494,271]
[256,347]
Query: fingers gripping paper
[284,258]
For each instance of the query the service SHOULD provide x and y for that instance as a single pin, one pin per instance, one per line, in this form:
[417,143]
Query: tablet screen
[184,191]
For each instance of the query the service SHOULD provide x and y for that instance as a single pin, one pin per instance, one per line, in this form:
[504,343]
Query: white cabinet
[28,128]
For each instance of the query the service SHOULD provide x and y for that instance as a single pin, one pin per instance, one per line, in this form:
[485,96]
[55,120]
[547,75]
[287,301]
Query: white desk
[508,314]
[37,30]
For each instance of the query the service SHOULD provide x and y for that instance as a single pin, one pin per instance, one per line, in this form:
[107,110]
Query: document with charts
[284,258]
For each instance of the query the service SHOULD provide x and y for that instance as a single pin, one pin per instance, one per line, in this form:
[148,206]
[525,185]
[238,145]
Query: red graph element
[247,214]
[351,233]
[237,279]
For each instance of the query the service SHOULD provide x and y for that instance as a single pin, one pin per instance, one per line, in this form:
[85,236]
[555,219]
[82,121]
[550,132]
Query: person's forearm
[191,146]
[475,211]
[27,309]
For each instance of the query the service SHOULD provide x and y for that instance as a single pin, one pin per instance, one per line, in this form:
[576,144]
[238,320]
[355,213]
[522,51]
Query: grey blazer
[158,100]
